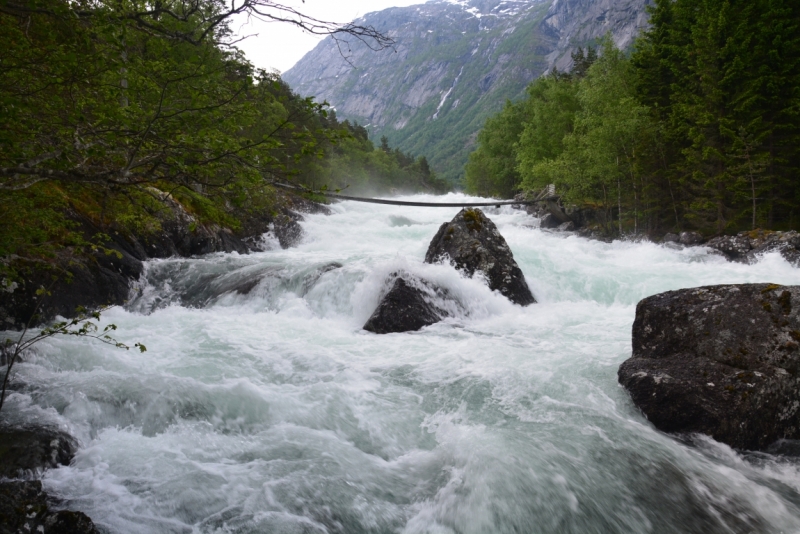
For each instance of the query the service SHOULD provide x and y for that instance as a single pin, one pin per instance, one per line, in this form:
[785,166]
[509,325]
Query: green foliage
[698,129]
[109,111]
[81,325]
[492,167]
[353,162]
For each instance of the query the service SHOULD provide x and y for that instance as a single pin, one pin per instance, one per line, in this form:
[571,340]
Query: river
[262,406]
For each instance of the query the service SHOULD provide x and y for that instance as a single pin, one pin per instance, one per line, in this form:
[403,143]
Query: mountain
[454,64]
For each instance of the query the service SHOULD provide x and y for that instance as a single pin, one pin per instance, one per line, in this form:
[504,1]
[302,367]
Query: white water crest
[262,406]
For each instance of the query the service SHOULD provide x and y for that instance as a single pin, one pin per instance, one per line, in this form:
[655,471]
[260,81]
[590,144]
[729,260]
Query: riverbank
[101,272]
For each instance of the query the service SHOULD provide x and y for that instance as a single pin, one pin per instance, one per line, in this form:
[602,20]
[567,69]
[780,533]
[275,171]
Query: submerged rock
[548,221]
[719,360]
[409,305]
[24,508]
[671,238]
[287,228]
[471,242]
[690,238]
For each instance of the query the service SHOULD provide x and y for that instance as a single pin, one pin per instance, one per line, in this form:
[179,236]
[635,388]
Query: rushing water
[262,406]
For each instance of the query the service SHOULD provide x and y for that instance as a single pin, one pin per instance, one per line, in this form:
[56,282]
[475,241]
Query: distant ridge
[455,63]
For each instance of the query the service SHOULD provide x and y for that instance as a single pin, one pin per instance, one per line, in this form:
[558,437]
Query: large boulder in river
[472,243]
[409,305]
[719,360]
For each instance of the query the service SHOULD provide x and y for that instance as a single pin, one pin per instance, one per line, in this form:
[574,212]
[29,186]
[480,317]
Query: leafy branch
[82,325]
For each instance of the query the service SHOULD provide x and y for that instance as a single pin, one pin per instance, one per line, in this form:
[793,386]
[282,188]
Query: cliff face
[455,63]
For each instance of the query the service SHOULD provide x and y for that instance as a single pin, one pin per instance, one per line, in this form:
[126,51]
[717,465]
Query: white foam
[270,409]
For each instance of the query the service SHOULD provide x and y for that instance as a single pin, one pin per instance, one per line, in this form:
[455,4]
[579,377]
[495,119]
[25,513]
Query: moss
[795,335]
[758,233]
[767,306]
[770,287]
[473,219]
[785,301]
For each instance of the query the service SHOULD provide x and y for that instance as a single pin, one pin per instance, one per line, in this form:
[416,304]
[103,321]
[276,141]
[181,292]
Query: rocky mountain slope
[454,64]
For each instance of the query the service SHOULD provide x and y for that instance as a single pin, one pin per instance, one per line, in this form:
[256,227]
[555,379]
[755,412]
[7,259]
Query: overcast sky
[279,46]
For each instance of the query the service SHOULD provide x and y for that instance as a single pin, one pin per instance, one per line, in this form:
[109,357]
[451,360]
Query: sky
[279,46]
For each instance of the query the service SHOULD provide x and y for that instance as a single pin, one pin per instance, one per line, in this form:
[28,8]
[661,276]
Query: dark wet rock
[82,281]
[408,306]
[566,227]
[312,278]
[471,242]
[671,238]
[548,221]
[597,233]
[690,238]
[32,449]
[287,228]
[583,216]
[719,360]
[24,508]
[734,248]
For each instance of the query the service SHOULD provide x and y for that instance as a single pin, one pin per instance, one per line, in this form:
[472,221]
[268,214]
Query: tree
[582,61]
[551,108]
[492,167]
[127,94]
[709,70]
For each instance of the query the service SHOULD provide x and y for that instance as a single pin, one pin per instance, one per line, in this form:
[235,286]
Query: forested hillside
[698,129]
[109,110]
[453,64]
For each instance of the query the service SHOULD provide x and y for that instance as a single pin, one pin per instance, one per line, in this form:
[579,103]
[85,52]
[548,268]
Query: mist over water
[262,406]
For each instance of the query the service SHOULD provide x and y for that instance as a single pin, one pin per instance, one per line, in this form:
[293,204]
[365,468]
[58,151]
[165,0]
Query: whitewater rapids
[262,406]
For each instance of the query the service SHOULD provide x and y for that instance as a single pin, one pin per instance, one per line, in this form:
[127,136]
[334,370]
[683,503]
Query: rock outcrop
[472,243]
[747,247]
[409,305]
[719,360]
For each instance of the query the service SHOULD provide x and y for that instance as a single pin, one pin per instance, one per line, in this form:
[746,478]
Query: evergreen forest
[696,128]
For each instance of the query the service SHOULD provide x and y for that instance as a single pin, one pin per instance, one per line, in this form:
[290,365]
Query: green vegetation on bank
[107,108]
[698,129]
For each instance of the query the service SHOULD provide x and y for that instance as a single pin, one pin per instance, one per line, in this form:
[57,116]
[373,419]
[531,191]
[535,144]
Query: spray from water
[262,406]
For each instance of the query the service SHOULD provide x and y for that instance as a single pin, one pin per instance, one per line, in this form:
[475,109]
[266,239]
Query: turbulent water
[262,406]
